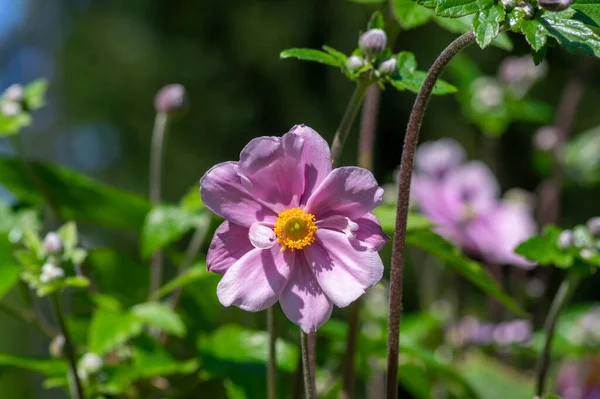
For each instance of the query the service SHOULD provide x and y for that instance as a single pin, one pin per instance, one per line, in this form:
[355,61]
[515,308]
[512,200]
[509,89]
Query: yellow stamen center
[295,229]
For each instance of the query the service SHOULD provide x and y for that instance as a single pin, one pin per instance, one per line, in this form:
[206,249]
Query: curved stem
[35,179]
[74,382]
[406,165]
[309,389]
[565,291]
[156,157]
[28,317]
[272,368]
[349,115]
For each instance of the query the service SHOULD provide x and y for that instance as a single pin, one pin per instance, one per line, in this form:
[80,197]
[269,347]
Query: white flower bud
[171,99]
[10,108]
[53,245]
[508,4]
[373,42]
[527,9]
[14,93]
[565,239]
[50,273]
[593,225]
[355,62]
[56,346]
[546,138]
[90,363]
[389,66]
[555,5]
[587,253]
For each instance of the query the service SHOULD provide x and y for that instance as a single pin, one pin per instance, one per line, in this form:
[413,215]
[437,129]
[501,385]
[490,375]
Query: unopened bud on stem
[14,93]
[53,245]
[566,239]
[373,42]
[171,99]
[355,62]
[555,5]
[389,66]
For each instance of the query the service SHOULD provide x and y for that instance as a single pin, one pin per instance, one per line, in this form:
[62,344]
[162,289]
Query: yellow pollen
[295,229]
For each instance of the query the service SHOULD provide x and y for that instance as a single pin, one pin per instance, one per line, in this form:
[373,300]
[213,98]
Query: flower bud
[526,8]
[593,225]
[56,346]
[546,138]
[91,363]
[355,62]
[50,273]
[566,239]
[10,108]
[508,4]
[587,253]
[555,5]
[372,42]
[53,245]
[389,66]
[171,99]
[14,93]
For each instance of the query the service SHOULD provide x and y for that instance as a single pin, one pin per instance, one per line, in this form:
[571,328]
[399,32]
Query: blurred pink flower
[296,231]
[462,199]
[579,380]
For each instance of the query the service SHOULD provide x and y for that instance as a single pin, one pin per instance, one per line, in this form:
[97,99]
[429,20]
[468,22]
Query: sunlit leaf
[308,54]
[160,315]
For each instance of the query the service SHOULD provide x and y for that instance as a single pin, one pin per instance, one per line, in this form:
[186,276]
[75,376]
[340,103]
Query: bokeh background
[105,60]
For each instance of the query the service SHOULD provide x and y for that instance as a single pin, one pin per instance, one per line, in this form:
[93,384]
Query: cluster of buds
[470,331]
[11,103]
[53,247]
[372,44]
[529,10]
[582,238]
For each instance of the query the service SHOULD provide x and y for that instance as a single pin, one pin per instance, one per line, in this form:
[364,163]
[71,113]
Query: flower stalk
[74,382]
[565,291]
[272,366]
[406,166]
[349,115]
[156,158]
[309,388]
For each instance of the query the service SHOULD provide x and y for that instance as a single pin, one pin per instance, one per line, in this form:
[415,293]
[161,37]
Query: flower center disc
[295,229]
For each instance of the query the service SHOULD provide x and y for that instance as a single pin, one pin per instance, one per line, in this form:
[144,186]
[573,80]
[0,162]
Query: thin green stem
[406,165]
[28,317]
[309,388]
[17,143]
[347,120]
[159,133]
[74,381]
[563,295]
[272,367]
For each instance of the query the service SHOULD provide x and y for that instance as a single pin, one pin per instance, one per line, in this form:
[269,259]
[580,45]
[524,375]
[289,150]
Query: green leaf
[471,270]
[161,316]
[308,54]
[456,8]
[367,1]
[9,269]
[411,15]
[376,21]
[68,235]
[464,24]
[571,34]
[236,344]
[486,24]
[412,79]
[35,94]
[535,33]
[11,125]
[493,380]
[78,197]
[110,329]
[46,366]
[341,57]
[386,214]
[166,224]
[194,273]
[580,158]
[588,11]
[544,249]
[192,201]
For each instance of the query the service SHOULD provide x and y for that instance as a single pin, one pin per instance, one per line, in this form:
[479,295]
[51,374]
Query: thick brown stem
[406,165]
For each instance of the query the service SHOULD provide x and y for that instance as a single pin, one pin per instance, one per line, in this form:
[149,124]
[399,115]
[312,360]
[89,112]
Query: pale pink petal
[316,159]
[261,236]
[222,192]
[370,232]
[339,223]
[436,158]
[228,245]
[345,268]
[303,300]
[271,169]
[256,281]
[348,191]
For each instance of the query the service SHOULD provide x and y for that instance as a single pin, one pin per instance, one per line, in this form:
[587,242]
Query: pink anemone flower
[296,230]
